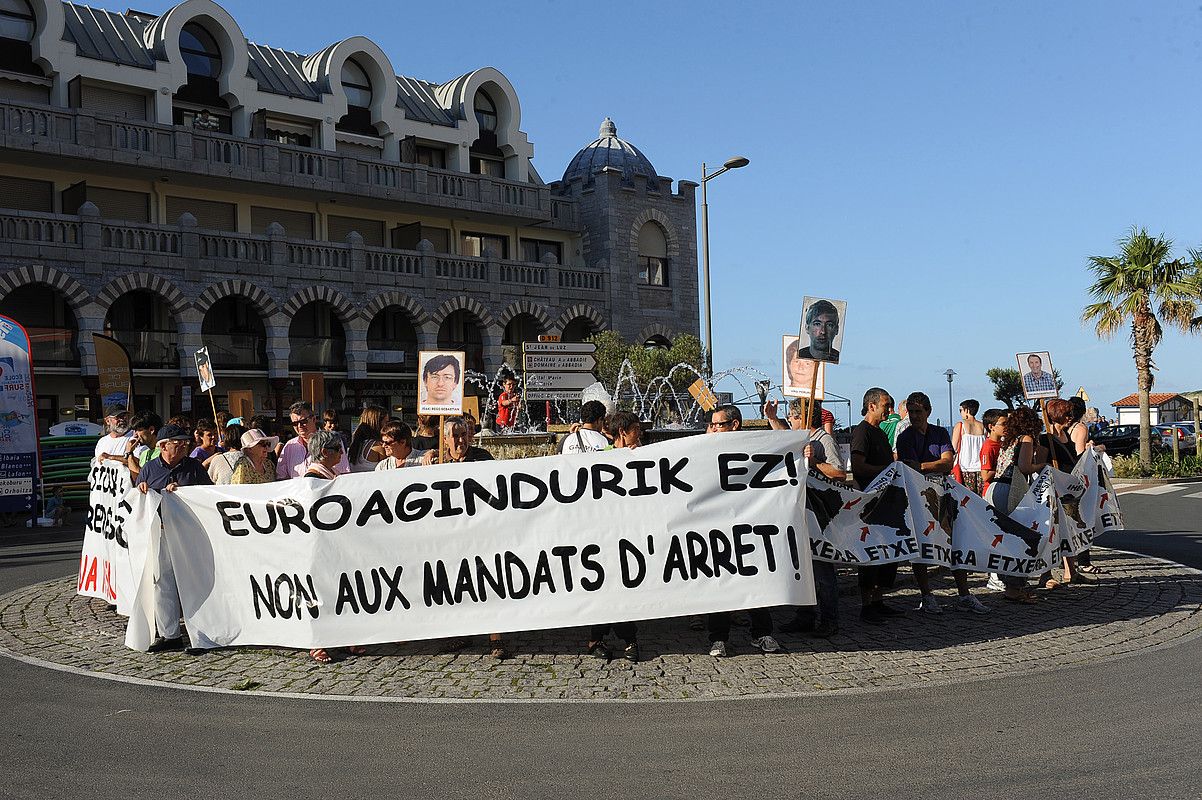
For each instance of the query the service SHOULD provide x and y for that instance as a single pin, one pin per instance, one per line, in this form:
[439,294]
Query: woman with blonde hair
[365,450]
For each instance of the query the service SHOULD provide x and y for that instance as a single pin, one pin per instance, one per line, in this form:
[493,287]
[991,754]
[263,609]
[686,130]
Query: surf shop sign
[18,421]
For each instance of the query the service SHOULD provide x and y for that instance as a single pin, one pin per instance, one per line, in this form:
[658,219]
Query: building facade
[168,183]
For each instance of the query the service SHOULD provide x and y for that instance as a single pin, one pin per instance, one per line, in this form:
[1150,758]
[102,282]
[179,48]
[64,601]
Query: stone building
[167,182]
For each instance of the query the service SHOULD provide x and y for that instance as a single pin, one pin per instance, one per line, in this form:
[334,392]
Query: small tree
[1141,287]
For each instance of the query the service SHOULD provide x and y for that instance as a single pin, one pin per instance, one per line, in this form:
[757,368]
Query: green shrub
[1163,466]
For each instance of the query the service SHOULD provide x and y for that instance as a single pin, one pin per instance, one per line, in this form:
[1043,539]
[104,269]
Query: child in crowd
[507,403]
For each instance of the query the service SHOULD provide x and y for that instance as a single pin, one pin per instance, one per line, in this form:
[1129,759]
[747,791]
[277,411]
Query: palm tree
[1141,286]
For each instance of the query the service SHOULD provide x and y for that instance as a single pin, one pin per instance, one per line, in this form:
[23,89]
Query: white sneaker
[970,603]
[930,605]
[766,644]
[718,649]
[994,584]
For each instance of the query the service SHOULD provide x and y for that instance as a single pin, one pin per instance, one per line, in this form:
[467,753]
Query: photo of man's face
[441,382]
[823,329]
[1034,362]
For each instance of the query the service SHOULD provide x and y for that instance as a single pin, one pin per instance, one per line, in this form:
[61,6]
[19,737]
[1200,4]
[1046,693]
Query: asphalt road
[1121,729]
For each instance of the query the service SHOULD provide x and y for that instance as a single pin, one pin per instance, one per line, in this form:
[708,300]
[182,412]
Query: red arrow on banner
[930,527]
[848,506]
[997,540]
[1034,526]
[1105,497]
[964,502]
[1086,479]
[864,534]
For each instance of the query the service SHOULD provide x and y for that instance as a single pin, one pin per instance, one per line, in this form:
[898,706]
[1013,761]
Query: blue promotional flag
[18,421]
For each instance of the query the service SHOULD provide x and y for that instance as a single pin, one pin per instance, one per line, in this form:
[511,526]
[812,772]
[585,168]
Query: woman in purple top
[928,449]
[205,435]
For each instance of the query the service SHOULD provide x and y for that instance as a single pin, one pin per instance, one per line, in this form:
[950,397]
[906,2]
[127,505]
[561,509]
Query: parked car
[1123,440]
[1186,440]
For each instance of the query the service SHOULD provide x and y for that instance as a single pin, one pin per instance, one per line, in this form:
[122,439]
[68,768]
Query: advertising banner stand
[19,457]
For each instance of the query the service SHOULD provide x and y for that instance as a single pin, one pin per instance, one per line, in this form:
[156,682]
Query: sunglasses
[296,423]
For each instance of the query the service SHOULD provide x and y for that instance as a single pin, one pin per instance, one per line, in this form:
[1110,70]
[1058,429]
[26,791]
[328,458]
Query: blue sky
[945,167]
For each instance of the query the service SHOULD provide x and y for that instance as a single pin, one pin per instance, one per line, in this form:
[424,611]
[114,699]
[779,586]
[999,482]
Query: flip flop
[321,656]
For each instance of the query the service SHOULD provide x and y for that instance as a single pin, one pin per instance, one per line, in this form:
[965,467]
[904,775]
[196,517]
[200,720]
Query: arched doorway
[579,330]
[521,329]
[142,321]
[51,324]
[461,330]
[392,341]
[317,340]
[233,331]
[657,342]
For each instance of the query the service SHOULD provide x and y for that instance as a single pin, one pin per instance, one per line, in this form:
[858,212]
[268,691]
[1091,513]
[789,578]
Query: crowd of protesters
[992,456]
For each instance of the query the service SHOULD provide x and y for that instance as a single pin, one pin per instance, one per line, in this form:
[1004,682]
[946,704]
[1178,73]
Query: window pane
[486,112]
[356,84]
[15,28]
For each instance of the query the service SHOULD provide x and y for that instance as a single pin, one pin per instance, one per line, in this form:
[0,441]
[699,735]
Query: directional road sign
[558,381]
[559,347]
[548,394]
[560,362]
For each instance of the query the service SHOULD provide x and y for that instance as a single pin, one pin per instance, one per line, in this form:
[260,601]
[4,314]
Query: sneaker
[929,605]
[994,584]
[631,653]
[870,615]
[718,649]
[162,645]
[887,610]
[970,603]
[766,644]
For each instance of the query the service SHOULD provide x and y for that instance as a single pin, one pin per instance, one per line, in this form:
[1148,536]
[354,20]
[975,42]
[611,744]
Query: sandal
[1052,583]
[321,656]
[357,650]
[1090,569]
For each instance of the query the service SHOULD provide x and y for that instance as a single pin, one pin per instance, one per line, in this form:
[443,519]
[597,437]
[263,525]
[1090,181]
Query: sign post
[558,370]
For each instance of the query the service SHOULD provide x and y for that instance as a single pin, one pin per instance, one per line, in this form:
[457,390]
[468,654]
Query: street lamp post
[950,374]
[731,163]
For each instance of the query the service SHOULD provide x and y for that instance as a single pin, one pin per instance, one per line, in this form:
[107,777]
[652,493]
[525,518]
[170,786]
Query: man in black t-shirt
[870,456]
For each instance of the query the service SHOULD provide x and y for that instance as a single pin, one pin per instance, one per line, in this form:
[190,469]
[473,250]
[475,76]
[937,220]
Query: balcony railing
[53,347]
[317,353]
[98,243]
[80,133]
[236,350]
[150,349]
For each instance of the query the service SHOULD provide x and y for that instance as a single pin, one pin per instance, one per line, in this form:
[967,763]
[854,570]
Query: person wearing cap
[172,469]
[114,444]
[255,466]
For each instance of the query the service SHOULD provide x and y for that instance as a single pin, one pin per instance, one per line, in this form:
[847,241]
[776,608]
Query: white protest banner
[906,517]
[104,566]
[690,526]
[143,517]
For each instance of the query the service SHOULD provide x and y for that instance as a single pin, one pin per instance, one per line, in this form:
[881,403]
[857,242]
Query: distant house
[1165,406]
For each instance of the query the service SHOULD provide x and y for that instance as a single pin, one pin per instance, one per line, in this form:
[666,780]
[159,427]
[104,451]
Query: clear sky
[945,167]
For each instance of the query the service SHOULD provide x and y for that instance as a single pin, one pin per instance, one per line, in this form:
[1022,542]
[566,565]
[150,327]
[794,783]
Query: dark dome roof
[609,151]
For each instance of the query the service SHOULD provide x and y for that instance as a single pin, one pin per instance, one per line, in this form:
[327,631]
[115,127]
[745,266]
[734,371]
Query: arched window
[356,84]
[200,51]
[17,25]
[357,87]
[653,255]
[486,112]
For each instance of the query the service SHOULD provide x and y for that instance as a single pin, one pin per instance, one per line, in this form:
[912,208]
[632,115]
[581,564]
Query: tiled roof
[118,39]
[1155,399]
[607,150]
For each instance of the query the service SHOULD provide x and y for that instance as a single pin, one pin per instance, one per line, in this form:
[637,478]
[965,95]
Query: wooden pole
[441,430]
[213,403]
[813,388]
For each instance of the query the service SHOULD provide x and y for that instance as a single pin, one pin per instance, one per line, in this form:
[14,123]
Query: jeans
[826,591]
[718,624]
[626,631]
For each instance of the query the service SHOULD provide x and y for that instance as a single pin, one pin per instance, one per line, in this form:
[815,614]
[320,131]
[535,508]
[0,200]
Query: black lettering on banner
[446,508]
[640,476]
[270,525]
[511,561]
[674,562]
[408,511]
[565,553]
[721,552]
[698,555]
[376,506]
[542,575]
[521,479]
[225,509]
[742,549]
[370,604]
[669,475]
[473,490]
[292,514]
[285,597]
[627,550]
[592,565]
[495,579]
[578,492]
[344,513]
[726,470]
[768,462]
[612,482]
[436,587]
[465,583]
[346,595]
[766,532]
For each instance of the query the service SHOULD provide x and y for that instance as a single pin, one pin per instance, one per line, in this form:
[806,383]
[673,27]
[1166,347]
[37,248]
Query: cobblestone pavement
[1139,604]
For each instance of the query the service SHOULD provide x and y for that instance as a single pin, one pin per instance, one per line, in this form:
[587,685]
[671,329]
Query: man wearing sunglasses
[294,457]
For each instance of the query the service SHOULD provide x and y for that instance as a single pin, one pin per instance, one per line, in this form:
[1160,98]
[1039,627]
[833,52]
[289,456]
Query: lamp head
[736,162]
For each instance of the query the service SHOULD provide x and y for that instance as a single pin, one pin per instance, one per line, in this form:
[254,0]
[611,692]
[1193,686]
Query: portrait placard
[440,382]
[822,323]
[1037,376]
[204,370]
[797,373]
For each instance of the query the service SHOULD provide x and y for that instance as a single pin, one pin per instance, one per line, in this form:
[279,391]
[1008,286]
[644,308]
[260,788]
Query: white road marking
[1195,495]
[1164,488]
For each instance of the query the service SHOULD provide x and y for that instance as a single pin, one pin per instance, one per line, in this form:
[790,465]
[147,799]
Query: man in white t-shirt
[115,444]
[588,438]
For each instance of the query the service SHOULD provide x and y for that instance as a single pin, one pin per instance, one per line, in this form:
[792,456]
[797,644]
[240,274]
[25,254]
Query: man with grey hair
[294,456]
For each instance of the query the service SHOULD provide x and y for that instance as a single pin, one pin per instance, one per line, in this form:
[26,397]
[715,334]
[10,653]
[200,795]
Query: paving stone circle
[1139,604]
